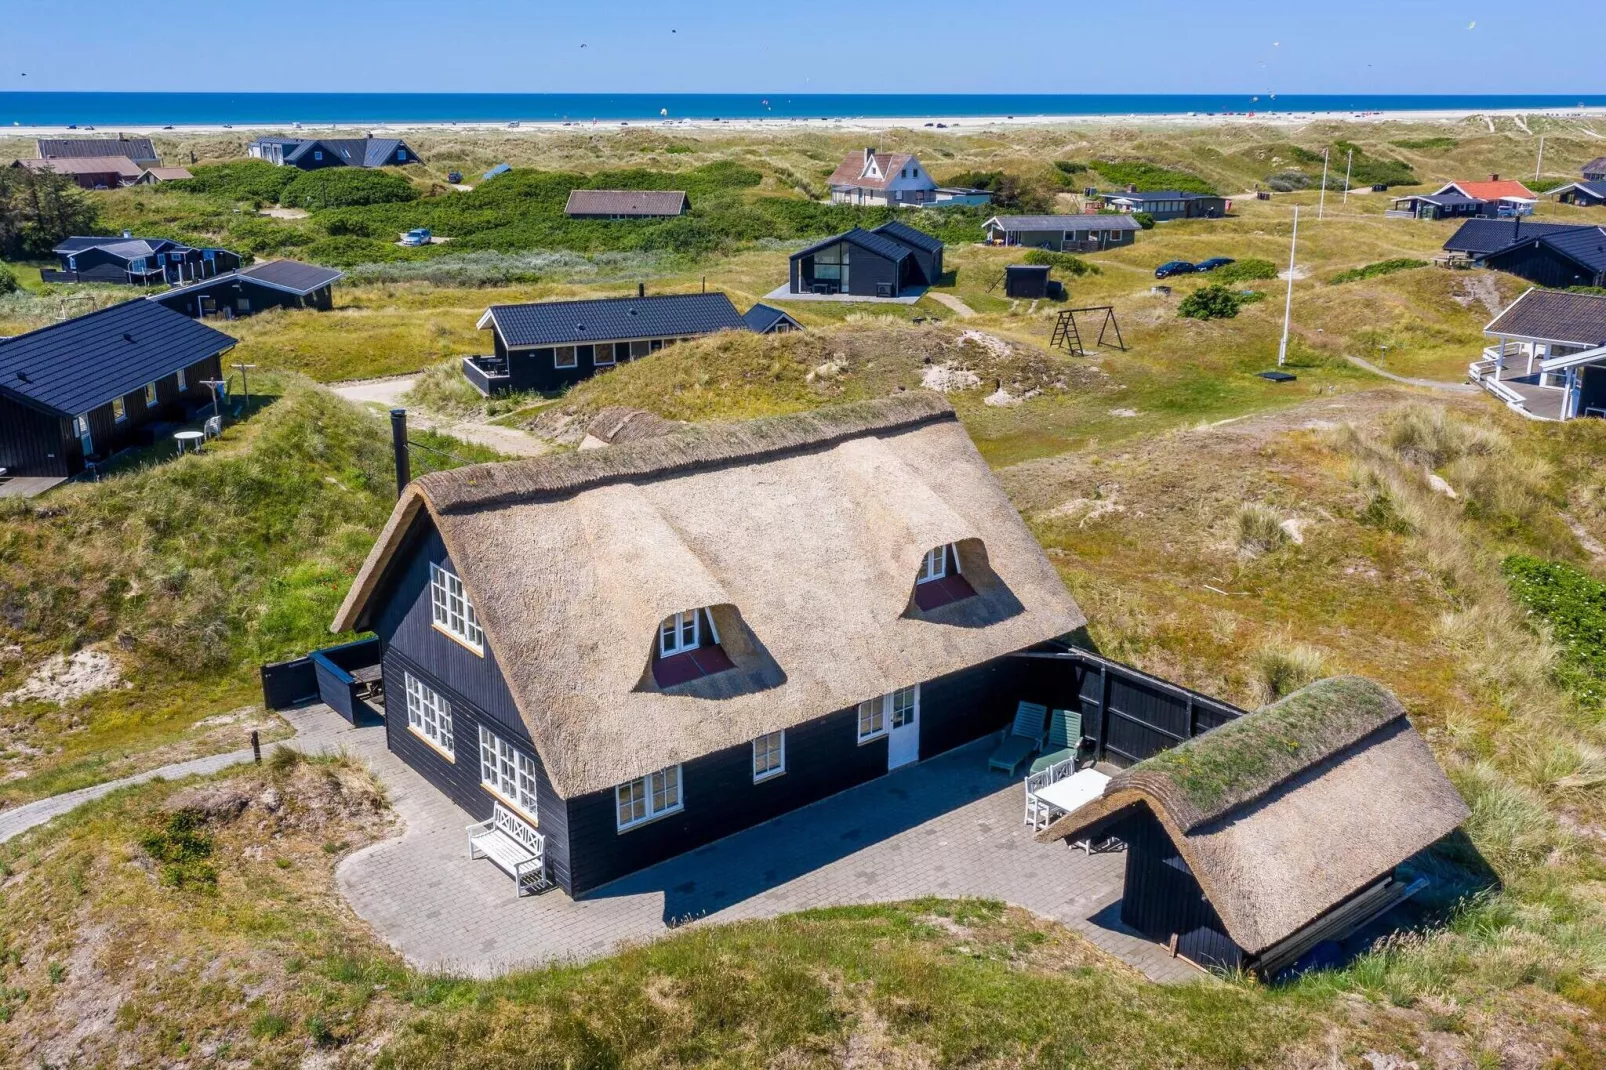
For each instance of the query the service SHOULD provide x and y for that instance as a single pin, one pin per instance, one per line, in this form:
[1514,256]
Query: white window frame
[401,155]
[119,410]
[559,362]
[872,719]
[772,756]
[317,154]
[912,694]
[640,348]
[596,354]
[451,612]
[935,566]
[672,633]
[509,774]
[648,798]
[150,394]
[429,716]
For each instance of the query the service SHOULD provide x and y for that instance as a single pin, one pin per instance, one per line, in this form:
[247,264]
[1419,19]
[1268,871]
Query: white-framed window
[317,154]
[902,703]
[429,715]
[877,715]
[640,349]
[451,610]
[563,357]
[769,756]
[137,265]
[935,566]
[604,354]
[183,380]
[872,719]
[507,773]
[150,394]
[649,797]
[679,633]
[401,155]
[119,410]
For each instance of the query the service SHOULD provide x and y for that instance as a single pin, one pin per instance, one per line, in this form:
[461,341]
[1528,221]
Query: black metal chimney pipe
[398,441]
[641,289]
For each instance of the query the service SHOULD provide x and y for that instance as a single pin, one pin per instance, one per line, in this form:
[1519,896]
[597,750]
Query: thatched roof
[803,532]
[1285,812]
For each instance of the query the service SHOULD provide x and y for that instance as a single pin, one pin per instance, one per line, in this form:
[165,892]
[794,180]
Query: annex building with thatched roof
[1251,843]
[638,648]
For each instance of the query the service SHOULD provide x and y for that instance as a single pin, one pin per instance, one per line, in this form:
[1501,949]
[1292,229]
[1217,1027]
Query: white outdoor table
[187,438]
[1075,791]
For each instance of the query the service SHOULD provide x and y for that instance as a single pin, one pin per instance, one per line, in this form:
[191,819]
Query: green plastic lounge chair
[1025,736]
[1064,739]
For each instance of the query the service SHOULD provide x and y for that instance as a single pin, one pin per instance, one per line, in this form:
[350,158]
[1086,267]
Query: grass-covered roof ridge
[1221,770]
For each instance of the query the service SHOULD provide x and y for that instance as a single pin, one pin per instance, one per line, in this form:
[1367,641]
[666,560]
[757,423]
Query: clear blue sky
[1402,46]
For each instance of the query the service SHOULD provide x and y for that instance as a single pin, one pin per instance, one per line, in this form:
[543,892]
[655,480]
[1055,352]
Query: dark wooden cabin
[87,387]
[550,345]
[1293,838]
[135,261]
[1576,257]
[141,150]
[274,284]
[767,319]
[314,154]
[637,647]
[1587,194]
[867,263]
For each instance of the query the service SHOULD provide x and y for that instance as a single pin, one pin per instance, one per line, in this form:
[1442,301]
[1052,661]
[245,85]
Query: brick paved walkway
[944,827]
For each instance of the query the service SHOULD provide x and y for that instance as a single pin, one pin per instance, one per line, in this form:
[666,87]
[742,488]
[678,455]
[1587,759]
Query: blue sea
[268,109]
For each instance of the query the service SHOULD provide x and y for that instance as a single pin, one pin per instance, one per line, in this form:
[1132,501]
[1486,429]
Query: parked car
[1174,267]
[454,177]
[1213,263]
[421,236]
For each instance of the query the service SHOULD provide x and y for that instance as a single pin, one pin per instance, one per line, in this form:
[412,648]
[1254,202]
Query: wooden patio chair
[1065,739]
[1025,736]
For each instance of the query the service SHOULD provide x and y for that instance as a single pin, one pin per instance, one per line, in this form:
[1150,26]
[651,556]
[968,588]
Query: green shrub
[1069,263]
[8,280]
[1247,270]
[1148,176]
[1545,185]
[1382,267]
[1573,605]
[1070,167]
[345,187]
[1289,181]
[1144,220]
[182,849]
[1425,143]
[1367,170]
[1213,302]
[1282,670]
[245,180]
[1011,193]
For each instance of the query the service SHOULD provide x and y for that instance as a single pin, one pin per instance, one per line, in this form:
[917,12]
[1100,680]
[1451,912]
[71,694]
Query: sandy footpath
[958,124]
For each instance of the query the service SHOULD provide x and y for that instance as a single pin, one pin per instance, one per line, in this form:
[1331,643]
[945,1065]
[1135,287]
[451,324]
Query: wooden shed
[1250,844]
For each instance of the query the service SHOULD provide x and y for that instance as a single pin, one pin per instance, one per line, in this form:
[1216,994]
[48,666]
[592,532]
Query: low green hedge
[1069,263]
[1573,604]
[1382,267]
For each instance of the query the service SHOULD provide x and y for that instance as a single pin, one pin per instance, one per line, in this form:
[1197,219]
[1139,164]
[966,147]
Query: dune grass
[191,572]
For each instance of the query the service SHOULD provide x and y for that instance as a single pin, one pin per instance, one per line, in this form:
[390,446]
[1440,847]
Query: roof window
[940,580]
[687,648]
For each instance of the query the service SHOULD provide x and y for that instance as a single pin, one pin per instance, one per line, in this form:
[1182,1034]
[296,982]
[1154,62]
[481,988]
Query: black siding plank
[473,685]
[33,443]
[1162,899]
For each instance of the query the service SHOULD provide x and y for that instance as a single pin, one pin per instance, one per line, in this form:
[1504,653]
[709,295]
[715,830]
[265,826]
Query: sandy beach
[844,124]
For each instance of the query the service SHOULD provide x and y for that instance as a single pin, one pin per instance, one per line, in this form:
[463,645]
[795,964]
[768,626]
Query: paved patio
[784,292]
[944,827]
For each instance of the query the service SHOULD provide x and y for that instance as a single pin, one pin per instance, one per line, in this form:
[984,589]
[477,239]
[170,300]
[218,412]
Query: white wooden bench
[516,848]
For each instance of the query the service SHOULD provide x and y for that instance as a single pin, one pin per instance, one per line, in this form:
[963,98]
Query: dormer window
[687,648]
[940,580]
[451,611]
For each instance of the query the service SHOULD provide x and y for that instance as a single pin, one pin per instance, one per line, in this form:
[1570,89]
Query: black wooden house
[87,387]
[637,649]
[885,262]
[1250,844]
[243,292]
[128,260]
[1558,255]
[550,345]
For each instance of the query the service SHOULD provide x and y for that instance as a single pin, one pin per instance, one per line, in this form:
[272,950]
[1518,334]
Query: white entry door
[903,726]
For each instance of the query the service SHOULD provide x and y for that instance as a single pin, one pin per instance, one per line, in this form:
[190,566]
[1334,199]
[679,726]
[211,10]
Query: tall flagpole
[1321,201]
[1288,302]
[1348,167]
[1541,161]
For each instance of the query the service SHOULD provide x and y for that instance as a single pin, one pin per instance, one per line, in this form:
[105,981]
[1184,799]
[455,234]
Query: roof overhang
[1573,360]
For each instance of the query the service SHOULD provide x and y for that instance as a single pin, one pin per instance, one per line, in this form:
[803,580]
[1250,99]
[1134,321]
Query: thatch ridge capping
[679,452]
[1221,770]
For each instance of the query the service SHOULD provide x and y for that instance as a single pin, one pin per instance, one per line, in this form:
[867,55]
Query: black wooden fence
[1128,714]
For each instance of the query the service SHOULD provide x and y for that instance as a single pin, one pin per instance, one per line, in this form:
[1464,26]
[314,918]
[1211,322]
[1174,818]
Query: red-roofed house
[870,177]
[1498,192]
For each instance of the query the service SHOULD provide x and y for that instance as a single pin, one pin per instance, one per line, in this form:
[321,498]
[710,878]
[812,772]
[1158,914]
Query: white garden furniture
[1060,789]
[516,848]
